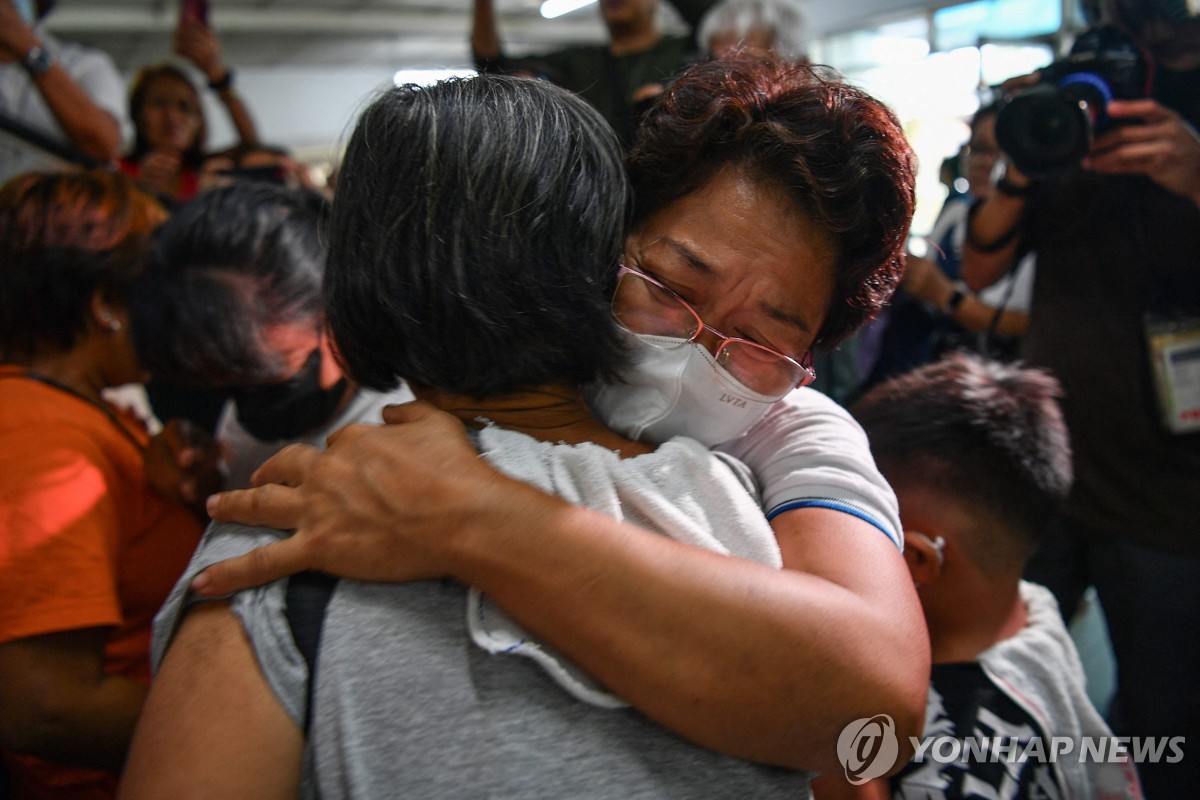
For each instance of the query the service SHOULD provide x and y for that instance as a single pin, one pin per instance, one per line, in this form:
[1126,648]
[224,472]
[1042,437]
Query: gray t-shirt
[405,705]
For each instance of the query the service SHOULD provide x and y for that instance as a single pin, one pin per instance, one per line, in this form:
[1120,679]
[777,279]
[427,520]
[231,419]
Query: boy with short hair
[979,457]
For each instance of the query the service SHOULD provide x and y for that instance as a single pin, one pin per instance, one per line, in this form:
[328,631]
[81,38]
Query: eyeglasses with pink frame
[761,368]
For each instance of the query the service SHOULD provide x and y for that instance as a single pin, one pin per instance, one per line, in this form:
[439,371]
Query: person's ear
[332,369]
[104,314]
[925,557]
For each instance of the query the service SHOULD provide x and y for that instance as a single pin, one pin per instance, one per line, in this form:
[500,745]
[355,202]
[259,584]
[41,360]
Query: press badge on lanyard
[1174,345]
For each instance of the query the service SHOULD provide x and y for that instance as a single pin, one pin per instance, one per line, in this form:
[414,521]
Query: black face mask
[290,409]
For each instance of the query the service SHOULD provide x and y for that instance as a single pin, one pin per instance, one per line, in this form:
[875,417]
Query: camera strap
[996,244]
[990,341]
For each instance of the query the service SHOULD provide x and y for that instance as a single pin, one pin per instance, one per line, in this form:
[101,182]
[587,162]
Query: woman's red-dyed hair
[839,153]
[64,237]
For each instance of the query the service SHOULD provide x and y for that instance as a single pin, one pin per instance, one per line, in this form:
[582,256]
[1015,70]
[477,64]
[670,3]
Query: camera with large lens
[1049,127]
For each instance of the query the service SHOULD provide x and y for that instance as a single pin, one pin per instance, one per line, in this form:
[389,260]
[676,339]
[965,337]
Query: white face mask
[680,391]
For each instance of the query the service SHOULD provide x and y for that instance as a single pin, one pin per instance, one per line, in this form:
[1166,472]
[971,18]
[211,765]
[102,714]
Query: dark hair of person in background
[394,317]
[63,238]
[986,433]
[224,268]
[836,152]
[145,78]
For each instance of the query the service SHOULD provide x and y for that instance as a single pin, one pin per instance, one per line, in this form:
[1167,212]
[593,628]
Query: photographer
[1118,283]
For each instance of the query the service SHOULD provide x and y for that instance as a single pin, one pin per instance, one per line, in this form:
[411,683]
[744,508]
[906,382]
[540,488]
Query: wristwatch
[956,298]
[222,83]
[37,60]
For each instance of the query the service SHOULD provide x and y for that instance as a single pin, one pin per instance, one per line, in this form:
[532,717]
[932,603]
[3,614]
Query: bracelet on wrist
[222,83]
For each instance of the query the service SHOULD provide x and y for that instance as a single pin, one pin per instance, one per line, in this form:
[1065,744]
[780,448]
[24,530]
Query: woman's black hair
[474,239]
[987,434]
[229,263]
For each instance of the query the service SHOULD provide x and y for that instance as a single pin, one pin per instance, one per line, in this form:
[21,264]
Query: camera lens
[1044,130]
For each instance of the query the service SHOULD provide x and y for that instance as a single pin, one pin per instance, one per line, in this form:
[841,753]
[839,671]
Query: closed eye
[666,287]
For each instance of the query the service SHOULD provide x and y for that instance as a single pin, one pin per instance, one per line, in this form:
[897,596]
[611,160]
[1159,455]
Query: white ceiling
[389,34]
[305,67]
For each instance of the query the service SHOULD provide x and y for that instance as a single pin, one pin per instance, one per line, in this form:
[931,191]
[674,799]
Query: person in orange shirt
[88,550]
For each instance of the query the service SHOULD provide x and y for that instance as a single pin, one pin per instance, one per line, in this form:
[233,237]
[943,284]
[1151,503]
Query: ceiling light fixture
[556,8]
